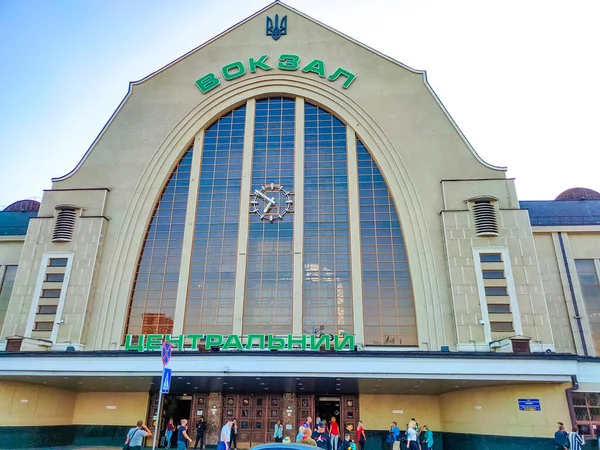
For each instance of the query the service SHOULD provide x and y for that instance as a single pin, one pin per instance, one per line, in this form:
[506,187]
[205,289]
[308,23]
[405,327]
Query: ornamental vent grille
[64,225]
[486,222]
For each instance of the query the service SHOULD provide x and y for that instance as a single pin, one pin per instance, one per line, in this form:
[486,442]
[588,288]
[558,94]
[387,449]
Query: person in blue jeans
[169,433]
[182,436]
[135,436]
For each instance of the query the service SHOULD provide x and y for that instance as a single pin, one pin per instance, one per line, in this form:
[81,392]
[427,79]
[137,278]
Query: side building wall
[58,417]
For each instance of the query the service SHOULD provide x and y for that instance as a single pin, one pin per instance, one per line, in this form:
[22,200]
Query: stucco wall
[110,408]
[32,405]
[494,410]
[377,411]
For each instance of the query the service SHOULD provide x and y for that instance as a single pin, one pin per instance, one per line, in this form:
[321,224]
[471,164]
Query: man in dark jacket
[200,430]
[321,437]
[561,440]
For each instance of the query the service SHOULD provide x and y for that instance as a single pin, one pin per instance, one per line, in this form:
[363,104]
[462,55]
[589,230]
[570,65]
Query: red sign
[165,352]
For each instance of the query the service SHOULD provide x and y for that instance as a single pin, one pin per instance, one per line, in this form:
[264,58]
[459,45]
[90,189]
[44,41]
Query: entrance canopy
[298,372]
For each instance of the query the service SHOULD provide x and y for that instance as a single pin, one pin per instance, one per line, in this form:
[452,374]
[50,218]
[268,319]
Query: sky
[520,78]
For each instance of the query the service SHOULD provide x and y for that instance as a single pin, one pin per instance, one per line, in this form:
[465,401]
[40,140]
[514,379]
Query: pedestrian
[136,435]
[200,431]
[347,443]
[411,435]
[561,440]
[321,437]
[182,435]
[395,433]
[278,434]
[307,423]
[575,439]
[334,433]
[169,432]
[307,439]
[225,436]
[428,438]
[361,435]
[300,434]
[233,442]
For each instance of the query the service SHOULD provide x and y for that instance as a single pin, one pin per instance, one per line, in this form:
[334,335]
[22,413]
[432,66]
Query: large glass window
[152,307]
[212,272]
[590,288]
[6,286]
[388,306]
[268,301]
[327,302]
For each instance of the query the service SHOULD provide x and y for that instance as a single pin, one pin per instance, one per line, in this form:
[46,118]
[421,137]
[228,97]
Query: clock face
[271,202]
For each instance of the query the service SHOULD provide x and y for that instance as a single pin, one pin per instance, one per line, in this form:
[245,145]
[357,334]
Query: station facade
[301,217]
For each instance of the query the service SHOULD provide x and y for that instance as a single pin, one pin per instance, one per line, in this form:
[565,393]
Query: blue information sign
[165,382]
[529,404]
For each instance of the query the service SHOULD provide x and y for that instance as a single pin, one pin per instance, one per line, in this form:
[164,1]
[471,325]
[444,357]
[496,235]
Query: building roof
[14,219]
[563,212]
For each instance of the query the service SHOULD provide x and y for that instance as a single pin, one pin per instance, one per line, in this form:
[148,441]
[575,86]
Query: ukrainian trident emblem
[274,29]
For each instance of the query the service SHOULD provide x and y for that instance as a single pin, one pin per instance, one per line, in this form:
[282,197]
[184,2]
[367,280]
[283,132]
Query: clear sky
[519,77]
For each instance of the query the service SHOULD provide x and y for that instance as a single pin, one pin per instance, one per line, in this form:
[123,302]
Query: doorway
[176,407]
[327,407]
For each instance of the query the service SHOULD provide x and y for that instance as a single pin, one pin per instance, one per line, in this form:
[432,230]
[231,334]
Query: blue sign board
[165,352]
[529,404]
[165,382]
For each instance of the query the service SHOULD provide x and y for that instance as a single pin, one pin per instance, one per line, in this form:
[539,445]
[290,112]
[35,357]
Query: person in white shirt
[225,436]
[411,436]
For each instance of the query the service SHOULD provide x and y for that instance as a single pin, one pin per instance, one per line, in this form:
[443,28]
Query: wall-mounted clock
[271,202]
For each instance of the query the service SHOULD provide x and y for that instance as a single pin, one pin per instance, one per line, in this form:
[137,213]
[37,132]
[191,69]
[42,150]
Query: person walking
[561,440]
[347,443]
[169,433]
[225,436]
[361,435]
[321,437]
[182,435]
[411,435]
[307,439]
[278,433]
[427,438]
[200,431]
[136,435]
[334,433]
[575,439]
[300,434]
[395,433]
[233,442]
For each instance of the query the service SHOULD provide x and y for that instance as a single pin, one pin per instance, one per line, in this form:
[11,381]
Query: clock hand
[264,197]
[268,207]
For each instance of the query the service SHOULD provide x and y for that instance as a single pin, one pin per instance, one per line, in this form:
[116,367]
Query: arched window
[255,273]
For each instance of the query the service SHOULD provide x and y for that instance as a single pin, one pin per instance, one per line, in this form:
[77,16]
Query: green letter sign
[235,342]
[287,62]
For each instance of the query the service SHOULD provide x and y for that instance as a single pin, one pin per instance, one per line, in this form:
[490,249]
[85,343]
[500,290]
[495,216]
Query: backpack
[390,439]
